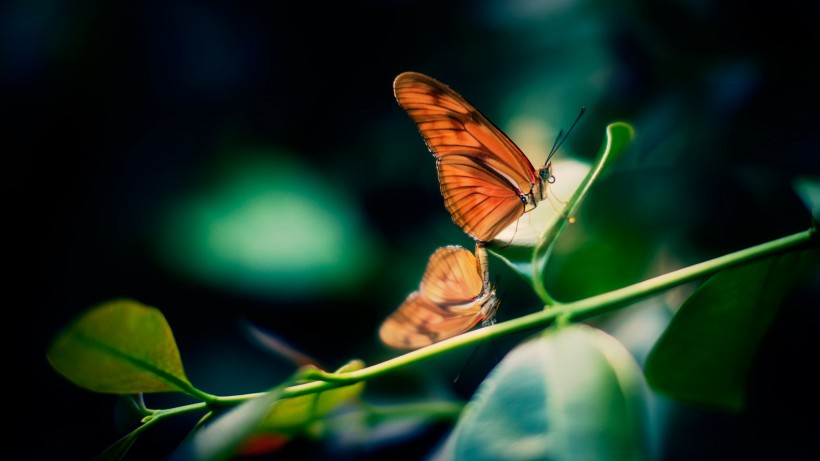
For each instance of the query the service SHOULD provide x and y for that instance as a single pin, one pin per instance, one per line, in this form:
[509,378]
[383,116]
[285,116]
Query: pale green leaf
[221,439]
[120,347]
[574,393]
[295,414]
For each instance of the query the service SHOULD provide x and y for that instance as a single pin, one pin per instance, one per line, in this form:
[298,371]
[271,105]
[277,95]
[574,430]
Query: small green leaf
[809,191]
[118,449]
[708,349]
[221,439]
[295,414]
[267,414]
[519,258]
[531,262]
[573,393]
[120,347]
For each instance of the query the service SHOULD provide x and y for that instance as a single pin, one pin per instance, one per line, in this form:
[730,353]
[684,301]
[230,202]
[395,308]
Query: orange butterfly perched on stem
[454,296]
[486,181]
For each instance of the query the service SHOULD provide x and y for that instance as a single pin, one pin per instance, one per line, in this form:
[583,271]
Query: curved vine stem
[575,310]
[617,137]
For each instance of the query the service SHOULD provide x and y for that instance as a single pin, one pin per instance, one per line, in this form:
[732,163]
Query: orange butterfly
[486,181]
[453,297]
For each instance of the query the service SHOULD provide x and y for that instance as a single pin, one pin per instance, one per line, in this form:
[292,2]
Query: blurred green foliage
[569,393]
[128,122]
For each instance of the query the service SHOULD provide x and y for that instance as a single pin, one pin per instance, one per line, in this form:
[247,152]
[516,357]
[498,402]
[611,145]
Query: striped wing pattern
[452,277]
[419,322]
[482,173]
[453,297]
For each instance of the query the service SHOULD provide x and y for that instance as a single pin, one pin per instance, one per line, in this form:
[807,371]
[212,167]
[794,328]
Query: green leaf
[120,347]
[221,439]
[573,393]
[295,414]
[118,449]
[531,262]
[230,433]
[809,191]
[600,265]
[708,349]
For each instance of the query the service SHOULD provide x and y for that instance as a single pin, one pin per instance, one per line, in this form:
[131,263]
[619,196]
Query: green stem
[165,413]
[580,309]
[574,310]
[140,363]
[539,288]
[548,240]
[601,303]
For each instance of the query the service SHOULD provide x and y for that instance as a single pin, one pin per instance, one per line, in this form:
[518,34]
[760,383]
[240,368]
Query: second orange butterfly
[454,296]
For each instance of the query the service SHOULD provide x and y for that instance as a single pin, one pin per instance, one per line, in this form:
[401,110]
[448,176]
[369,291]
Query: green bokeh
[269,226]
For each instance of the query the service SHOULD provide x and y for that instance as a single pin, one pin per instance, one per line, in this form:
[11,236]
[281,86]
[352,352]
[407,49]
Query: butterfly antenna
[486,322]
[466,362]
[492,321]
[557,141]
[563,136]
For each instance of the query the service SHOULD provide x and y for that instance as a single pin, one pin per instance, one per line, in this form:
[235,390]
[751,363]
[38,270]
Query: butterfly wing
[453,297]
[419,322]
[484,176]
[452,277]
[480,202]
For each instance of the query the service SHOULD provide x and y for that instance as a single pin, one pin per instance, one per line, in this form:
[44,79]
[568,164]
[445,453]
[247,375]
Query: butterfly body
[486,181]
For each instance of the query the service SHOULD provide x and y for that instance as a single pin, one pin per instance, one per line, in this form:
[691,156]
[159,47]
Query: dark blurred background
[245,162]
